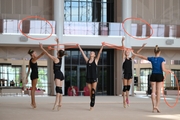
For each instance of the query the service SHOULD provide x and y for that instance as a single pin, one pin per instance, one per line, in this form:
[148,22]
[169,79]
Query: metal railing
[91,28]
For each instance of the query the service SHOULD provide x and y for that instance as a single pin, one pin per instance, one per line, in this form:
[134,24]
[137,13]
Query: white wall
[14,40]
[91,41]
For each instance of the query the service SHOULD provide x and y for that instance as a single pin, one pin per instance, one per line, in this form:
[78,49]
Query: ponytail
[156,49]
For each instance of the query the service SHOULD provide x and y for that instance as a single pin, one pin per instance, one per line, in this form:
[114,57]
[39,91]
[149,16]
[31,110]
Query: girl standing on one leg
[156,77]
[58,75]
[127,68]
[91,76]
[34,74]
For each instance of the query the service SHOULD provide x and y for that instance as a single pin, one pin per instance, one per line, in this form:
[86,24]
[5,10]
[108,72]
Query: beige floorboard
[77,108]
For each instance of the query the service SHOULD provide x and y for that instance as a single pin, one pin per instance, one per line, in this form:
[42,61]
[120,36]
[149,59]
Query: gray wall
[18,9]
[153,11]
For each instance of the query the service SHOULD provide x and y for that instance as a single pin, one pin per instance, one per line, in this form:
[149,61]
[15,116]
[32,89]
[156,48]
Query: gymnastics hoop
[171,106]
[28,17]
[133,18]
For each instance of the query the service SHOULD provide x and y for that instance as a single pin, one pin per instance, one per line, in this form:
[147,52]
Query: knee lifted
[58,89]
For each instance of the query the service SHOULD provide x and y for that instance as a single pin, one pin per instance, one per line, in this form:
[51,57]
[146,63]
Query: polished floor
[77,108]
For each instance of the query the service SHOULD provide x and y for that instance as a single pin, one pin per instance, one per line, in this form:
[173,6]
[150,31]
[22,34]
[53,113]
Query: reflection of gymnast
[91,76]
[156,76]
[127,71]
[58,75]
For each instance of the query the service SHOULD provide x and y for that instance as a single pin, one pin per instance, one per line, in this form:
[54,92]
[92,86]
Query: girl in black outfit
[58,75]
[91,76]
[127,71]
[34,74]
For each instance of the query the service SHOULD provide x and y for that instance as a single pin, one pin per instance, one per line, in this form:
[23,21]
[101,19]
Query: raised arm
[49,55]
[27,73]
[139,50]
[140,56]
[123,52]
[85,57]
[99,53]
[58,47]
[34,59]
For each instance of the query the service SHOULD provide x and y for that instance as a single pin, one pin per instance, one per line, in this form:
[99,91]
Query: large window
[75,69]
[8,73]
[173,80]
[144,72]
[86,10]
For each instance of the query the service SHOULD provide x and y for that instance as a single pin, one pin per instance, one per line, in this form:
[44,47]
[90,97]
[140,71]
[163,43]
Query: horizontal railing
[9,26]
[116,29]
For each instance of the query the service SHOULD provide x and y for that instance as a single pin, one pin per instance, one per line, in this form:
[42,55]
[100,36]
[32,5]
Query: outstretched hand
[103,43]
[123,38]
[40,45]
[57,40]
[144,44]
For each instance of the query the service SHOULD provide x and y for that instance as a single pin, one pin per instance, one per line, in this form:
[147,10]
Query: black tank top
[127,66]
[57,66]
[33,66]
[91,70]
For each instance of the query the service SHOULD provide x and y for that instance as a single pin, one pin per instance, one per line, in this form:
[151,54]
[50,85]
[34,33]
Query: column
[23,77]
[126,13]
[59,19]
[118,73]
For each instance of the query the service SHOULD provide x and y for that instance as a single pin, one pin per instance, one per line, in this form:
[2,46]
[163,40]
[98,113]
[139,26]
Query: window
[8,73]
[173,82]
[175,62]
[144,72]
[85,10]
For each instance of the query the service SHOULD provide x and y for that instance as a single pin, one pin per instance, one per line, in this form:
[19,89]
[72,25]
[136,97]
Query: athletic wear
[156,77]
[57,70]
[156,64]
[34,70]
[157,72]
[91,75]
[127,68]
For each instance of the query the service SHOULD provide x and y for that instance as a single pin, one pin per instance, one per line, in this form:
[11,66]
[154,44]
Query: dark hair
[156,49]
[30,51]
[61,53]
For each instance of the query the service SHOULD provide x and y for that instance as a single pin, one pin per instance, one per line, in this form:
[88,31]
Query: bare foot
[33,106]
[91,108]
[58,107]
[124,104]
[157,109]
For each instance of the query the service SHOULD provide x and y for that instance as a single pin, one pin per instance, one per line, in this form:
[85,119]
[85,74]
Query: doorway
[81,77]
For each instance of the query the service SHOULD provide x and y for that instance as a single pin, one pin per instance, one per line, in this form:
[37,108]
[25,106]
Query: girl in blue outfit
[156,77]
[127,73]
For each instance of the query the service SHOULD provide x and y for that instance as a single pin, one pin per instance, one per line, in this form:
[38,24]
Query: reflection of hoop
[177,95]
[28,17]
[131,18]
[70,45]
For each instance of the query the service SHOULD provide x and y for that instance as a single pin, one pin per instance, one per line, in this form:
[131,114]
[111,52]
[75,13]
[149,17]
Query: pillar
[118,73]
[59,19]
[126,13]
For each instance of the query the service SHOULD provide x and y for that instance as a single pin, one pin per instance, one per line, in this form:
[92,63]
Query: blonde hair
[156,49]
